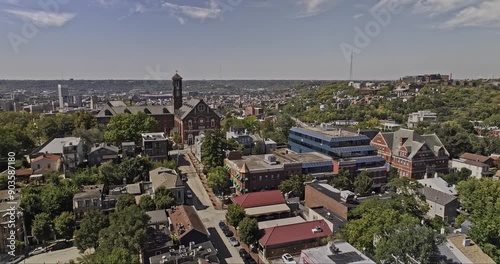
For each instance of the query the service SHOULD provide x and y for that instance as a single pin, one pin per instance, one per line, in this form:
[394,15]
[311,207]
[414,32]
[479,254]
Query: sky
[248,39]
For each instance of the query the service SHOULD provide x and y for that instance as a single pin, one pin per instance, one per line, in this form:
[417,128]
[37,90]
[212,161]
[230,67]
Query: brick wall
[315,199]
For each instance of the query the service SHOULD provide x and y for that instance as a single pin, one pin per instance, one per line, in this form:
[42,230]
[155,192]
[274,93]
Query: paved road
[210,217]
[54,257]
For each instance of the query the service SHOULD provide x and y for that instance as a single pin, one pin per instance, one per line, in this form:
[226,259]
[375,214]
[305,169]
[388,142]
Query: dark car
[222,224]
[227,232]
[244,254]
[249,261]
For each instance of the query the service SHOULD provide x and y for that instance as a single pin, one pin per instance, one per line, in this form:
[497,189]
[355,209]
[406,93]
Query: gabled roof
[51,157]
[165,177]
[188,107]
[294,233]
[149,109]
[437,196]
[185,217]
[474,157]
[255,199]
[104,146]
[413,142]
[24,172]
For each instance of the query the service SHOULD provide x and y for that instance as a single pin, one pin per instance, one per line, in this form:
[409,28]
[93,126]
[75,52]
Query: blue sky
[248,39]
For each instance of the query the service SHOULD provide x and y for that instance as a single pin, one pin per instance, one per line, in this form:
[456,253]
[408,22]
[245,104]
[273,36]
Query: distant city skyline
[248,40]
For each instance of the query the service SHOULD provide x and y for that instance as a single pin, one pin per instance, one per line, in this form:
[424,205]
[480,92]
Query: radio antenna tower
[350,72]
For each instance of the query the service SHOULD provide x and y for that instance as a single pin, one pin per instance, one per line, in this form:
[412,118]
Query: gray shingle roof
[437,196]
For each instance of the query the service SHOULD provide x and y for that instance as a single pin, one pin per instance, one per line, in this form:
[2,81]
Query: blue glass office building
[334,144]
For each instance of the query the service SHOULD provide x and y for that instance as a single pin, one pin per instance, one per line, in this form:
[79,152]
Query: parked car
[244,254]
[227,232]
[249,261]
[58,245]
[234,242]
[189,194]
[288,259]
[37,251]
[222,225]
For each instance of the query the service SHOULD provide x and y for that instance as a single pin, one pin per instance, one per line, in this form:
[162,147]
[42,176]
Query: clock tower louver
[177,84]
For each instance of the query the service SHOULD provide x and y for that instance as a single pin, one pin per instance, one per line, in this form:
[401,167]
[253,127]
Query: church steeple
[177,84]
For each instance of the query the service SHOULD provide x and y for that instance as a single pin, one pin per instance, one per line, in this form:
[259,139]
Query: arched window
[190,139]
[212,122]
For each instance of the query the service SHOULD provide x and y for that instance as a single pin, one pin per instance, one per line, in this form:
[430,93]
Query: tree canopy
[129,127]
[87,236]
[248,230]
[234,214]
[218,179]
[65,225]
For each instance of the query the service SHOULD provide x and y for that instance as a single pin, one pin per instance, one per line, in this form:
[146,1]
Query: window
[190,124]
[212,122]
[260,178]
[38,166]
[48,166]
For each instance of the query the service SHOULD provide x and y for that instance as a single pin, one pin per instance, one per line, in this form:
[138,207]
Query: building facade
[421,116]
[413,155]
[155,146]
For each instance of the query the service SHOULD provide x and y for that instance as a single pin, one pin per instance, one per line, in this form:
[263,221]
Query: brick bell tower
[177,84]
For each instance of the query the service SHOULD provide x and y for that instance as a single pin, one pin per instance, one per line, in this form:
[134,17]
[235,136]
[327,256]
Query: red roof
[24,172]
[259,199]
[294,233]
[46,156]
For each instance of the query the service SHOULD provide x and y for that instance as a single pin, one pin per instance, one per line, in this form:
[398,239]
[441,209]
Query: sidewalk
[196,164]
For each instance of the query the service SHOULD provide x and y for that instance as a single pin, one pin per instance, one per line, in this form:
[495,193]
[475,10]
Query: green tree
[85,120]
[217,179]
[213,145]
[363,183]
[124,201]
[64,225]
[4,179]
[295,185]
[115,256]
[419,244]
[234,214]
[88,235]
[341,181]
[147,203]
[41,228]
[258,148]
[481,198]
[163,198]
[129,127]
[127,230]
[455,177]
[248,229]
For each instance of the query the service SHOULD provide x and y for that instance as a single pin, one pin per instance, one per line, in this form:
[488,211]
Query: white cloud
[435,7]
[356,16]
[485,14]
[42,18]
[183,12]
[312,7]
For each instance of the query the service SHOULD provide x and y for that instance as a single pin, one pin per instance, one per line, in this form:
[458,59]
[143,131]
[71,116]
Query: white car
[37,251]
[189,194]
[288,259]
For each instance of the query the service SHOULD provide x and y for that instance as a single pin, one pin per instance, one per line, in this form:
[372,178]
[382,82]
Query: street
[54,257]
[210,217]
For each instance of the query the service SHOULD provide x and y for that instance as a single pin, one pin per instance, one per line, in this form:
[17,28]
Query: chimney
[466,242]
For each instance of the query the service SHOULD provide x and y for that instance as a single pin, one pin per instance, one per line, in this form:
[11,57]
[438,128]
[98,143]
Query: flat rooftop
[336,221]
[280,222]
[472,252]
[305,157]
[257,162]
[330,132]
[346,254]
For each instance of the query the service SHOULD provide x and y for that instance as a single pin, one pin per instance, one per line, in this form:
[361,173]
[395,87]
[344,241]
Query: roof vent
[466,242]
[270,159]
[317,229]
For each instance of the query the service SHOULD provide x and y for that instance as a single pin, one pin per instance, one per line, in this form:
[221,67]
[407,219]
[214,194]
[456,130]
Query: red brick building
[413,155]
[193,116]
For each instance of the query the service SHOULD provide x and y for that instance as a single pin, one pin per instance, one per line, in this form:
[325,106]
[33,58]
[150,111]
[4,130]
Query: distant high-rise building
[77,100]
[93,102]
[63,95]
